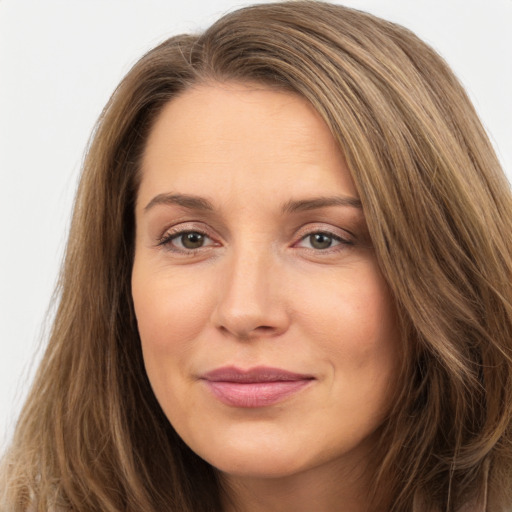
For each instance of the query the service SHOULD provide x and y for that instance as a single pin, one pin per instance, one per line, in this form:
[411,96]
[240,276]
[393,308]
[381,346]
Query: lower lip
[255,394]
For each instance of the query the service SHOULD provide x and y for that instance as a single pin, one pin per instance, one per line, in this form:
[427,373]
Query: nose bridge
[250,302]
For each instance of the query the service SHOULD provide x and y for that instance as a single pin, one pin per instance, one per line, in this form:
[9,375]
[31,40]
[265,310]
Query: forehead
[241,136]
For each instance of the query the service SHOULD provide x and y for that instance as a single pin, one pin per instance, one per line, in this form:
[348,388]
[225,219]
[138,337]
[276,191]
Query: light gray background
[59,63]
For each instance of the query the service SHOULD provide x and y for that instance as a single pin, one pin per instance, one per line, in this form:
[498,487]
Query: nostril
[264,328]
[246,334]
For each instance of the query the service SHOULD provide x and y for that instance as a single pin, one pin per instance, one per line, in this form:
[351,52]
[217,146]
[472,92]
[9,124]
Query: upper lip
[251,375]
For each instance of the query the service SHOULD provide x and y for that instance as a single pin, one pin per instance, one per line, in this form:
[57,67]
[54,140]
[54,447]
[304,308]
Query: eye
[322,241]
[186,240]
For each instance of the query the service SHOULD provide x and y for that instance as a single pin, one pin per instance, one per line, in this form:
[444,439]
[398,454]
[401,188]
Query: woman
[287,285]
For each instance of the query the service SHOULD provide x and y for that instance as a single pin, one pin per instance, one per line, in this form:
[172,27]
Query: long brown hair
[439,209]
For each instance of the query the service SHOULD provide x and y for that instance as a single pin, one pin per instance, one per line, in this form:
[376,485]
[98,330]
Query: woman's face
[267,329]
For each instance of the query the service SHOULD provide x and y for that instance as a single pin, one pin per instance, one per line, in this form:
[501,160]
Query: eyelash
[166,241]
[341,244]
[168,237]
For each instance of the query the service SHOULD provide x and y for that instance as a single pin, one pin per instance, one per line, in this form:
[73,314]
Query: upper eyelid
[187,226]
[172,235]
[342,242]
[321,227]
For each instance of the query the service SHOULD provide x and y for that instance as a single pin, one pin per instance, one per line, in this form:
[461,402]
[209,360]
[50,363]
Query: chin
[266,457]
[258,466]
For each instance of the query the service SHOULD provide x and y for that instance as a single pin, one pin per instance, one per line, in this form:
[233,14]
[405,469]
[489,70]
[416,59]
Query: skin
[261,290]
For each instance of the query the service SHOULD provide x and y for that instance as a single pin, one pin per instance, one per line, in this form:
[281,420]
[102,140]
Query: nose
[252,302]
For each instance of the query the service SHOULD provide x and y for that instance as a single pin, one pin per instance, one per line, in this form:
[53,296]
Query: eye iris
[192,240]
[320,240]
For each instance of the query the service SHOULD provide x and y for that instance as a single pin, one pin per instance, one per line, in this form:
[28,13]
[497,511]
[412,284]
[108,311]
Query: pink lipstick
[256,387]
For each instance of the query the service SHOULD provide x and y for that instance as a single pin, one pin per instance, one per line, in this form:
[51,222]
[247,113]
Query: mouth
[255,387]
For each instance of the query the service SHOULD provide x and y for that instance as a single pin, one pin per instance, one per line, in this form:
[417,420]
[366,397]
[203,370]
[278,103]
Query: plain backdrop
[59,63]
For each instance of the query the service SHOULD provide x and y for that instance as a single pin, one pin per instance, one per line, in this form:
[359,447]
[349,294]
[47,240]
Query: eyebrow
[321,202]
[187,201]
[193,202]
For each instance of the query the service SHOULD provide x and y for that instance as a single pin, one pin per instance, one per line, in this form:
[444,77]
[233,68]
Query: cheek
[167,309]
[170,316]
[373,340]
[373,324]
[350,306]
[353,320]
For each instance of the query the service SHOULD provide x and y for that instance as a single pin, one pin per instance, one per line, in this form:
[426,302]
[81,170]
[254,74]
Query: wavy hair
[92,437]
